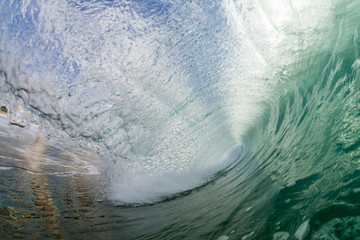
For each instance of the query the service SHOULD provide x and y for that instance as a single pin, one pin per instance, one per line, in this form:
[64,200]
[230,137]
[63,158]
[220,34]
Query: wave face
[172,93]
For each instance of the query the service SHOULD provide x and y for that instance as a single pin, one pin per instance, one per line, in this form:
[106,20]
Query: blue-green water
[180,120]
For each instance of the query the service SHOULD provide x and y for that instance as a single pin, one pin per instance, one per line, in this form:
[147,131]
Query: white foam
[139,186]
[146,189]
[303,230]
[6,168]
[281,236]
[291,184]
[247,236]
[223,237]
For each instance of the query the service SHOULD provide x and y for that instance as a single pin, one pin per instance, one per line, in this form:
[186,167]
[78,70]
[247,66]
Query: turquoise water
[192,120]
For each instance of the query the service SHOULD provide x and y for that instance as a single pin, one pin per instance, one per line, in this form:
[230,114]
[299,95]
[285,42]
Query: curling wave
[172,93]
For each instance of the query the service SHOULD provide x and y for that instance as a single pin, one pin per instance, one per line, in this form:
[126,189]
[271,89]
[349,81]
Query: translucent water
[236,119]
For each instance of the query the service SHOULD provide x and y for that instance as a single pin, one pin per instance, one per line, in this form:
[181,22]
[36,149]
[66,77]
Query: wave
[171,93]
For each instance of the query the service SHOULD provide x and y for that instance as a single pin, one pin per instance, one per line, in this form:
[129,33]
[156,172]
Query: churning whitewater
[230,119]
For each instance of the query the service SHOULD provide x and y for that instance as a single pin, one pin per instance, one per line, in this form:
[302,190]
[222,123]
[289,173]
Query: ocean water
[180,120]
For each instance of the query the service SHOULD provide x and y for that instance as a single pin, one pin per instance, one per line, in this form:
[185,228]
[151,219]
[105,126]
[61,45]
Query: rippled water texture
[180,120]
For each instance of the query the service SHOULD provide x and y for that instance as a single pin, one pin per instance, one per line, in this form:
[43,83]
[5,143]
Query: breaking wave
[170,94]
